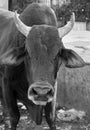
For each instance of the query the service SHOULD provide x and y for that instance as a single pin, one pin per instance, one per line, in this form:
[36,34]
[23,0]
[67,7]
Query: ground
[26,123]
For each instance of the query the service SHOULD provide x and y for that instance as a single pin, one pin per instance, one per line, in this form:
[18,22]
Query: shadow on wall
[88,26]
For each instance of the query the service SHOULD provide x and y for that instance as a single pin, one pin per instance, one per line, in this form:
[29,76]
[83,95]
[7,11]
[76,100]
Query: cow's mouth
[40,93]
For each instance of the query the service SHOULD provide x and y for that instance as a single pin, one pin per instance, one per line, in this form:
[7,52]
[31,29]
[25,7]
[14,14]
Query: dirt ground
[26,123]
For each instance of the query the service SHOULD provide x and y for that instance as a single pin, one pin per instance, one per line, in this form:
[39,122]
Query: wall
[88,26]
[47,2]
[4,4]
[80,26]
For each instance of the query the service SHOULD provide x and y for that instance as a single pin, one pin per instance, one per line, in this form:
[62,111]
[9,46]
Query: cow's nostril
[50,92]
[34,91]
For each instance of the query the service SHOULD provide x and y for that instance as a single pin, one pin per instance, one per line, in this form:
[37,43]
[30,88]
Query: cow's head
[45,54]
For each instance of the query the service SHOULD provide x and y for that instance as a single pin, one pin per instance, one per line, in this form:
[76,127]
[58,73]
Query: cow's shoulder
[7,30]
[6,13]
[6,17]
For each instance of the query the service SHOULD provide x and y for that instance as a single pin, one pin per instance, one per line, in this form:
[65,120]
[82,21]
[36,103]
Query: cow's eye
[52,61]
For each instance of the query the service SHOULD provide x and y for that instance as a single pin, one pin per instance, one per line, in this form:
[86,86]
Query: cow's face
[43,45]
[45,55]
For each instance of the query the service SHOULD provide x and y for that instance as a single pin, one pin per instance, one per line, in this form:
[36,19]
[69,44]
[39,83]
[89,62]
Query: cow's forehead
[44,36]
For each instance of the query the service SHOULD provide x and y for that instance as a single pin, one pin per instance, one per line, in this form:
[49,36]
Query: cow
[31,52]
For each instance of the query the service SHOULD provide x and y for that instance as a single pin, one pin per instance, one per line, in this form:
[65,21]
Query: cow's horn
[24,29]
[67,28]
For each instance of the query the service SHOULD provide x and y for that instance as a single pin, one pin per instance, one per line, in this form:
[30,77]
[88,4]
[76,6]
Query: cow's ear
[71,58]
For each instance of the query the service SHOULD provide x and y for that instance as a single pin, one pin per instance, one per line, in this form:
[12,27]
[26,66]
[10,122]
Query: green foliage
[63,13]
[81,8]
[19,5]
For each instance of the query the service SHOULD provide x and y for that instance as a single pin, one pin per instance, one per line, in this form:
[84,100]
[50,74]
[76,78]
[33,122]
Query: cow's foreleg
[49,116]
[14,115]
[11,103]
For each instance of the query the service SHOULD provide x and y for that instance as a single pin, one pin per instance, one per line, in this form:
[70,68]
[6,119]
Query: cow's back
[36,14]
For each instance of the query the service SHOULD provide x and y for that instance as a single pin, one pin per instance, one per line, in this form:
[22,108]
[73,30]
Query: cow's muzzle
[40,93]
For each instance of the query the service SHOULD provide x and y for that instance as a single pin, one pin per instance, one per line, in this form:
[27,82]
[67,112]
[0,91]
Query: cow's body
[31,63]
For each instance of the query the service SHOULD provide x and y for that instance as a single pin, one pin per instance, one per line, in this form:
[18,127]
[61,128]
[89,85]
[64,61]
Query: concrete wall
[80,26]
[47,2]
[4,4]
[88,26]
